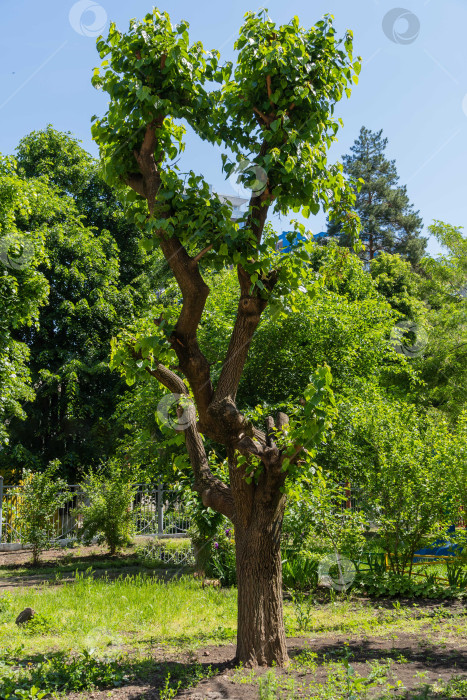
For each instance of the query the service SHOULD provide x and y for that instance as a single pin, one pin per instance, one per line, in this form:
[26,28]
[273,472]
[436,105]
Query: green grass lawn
[132,627]
[102,613]
[131,609]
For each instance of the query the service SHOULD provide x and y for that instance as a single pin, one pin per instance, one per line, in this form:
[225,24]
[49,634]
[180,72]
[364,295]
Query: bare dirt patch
[52,557]
[412,662]
[58,566]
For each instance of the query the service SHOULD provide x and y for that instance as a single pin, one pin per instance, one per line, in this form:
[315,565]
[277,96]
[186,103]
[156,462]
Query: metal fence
[156,510]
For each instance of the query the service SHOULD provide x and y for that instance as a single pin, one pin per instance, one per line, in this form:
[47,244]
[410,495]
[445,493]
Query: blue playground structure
[439,549]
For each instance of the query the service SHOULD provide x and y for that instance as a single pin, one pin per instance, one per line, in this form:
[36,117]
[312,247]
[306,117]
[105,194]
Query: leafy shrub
[37,625]
[391,585]
[213,541]
[300,572]
[317,524]
[59,673]
[317,520]
[457,573]
[409,475]
[222,564]
[43,493]
[205,524]
[109,514]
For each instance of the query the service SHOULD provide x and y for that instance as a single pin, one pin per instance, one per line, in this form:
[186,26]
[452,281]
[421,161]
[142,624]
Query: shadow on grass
[62,673]
[364,651]
[71,562]
[58,575]
[147,677]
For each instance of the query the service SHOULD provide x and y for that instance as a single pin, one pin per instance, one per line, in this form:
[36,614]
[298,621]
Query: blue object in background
[440,548]
[286,246]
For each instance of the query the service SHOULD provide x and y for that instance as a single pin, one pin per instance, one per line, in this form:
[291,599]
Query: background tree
[23,287]
[99,278]
[443,366]
[274,108]
[399,284]
[346,323]
[59,157]
[388,220]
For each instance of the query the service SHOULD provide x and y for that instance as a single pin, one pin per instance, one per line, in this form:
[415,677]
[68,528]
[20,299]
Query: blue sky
[415,91]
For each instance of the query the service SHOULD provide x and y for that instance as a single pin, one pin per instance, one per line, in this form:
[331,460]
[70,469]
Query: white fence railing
[156,509]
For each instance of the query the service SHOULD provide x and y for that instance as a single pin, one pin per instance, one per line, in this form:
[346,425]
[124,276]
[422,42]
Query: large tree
[389,222]
[273,109]
[99,277]
[23,288]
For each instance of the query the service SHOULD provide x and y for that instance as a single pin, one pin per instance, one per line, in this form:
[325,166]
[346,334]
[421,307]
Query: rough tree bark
[259,512]
[261,635]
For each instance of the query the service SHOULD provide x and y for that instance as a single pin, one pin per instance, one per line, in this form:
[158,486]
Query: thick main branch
[185,270]
[214,493]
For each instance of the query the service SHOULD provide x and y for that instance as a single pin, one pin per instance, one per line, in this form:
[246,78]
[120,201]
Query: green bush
[300,572]
[456,571]
[317,525]
[42,494]
[411,476]
[394,585]
[205,524]
[109,514]
[59,673]
[213,541]
[38,625]
[222,564]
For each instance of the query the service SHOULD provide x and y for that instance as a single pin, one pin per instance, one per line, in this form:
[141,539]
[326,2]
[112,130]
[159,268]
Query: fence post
[1,508]
[160,510]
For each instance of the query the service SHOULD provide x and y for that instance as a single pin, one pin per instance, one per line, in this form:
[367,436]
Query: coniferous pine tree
[389,221]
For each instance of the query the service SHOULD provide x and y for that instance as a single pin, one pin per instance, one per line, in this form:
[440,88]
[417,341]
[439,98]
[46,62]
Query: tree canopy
[23,288]
[97,277]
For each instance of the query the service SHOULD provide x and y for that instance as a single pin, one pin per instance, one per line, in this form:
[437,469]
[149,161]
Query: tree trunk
[261,634]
